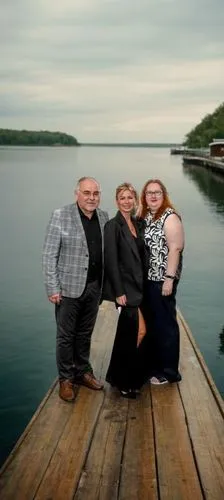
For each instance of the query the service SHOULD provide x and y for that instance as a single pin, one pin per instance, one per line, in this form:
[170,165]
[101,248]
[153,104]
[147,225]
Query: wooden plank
[103,337]
[138,478]
[63,472]
[184,329]
[204,418]
[29,460]
[29,425]
[177,474]
[101,473]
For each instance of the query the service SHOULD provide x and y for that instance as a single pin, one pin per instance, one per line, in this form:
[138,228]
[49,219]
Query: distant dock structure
[203,161]
[213,158]
[178,150]
[217,148]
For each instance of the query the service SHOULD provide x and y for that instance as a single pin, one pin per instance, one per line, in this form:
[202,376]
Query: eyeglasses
[89,194]
[157,194]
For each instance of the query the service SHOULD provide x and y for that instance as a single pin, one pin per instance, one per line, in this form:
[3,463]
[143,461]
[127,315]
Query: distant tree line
[9,137]
[211,127]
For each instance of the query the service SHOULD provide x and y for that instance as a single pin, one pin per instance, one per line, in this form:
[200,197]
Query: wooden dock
[166,445]
[204,161]
[178,150]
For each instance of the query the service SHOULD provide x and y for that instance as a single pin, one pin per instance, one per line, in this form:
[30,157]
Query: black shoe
[178,378]
[172,377]
[136,391]
[128,394]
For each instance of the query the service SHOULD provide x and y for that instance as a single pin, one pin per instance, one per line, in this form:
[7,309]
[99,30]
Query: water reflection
[209,183]
[221,336]
[211,186]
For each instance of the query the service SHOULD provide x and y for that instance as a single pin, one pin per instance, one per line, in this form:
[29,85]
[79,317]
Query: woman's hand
[122,300]
[167,287]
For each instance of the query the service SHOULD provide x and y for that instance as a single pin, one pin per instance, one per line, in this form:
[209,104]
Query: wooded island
[9,137]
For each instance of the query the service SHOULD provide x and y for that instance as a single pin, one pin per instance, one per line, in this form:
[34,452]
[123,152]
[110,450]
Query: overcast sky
[111,70]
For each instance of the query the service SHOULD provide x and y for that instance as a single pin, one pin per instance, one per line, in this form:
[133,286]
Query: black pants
[164,336]
[125,367]
[75,318]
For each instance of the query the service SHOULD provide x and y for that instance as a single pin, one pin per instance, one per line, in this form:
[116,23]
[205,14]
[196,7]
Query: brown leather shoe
[66,390]
[90,381]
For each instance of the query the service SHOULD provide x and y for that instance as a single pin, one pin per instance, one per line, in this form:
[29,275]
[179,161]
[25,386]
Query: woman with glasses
[164,237]
[124,278]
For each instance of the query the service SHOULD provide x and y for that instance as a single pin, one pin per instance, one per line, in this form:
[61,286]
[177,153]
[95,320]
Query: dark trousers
[164,336]
[125,369]
[75,318]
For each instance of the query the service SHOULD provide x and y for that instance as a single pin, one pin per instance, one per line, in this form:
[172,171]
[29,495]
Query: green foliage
[211,127]
[10,137]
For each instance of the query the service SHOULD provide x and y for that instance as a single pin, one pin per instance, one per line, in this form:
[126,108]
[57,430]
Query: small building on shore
[217,147]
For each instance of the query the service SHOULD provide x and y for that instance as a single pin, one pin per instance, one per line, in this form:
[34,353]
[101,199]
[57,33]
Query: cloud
[113,70]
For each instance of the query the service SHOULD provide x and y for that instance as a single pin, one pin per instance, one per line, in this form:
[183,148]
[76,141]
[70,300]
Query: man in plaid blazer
[73,272]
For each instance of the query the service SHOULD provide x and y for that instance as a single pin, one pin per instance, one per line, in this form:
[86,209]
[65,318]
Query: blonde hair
[126,186]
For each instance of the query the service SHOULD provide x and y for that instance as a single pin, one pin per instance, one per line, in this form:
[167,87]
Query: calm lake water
[34,181]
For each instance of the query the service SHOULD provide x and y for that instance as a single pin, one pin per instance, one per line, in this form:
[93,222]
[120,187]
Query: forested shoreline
[211,127]
[9,137]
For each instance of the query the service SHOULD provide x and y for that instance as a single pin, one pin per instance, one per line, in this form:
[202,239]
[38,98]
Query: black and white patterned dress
[155,239]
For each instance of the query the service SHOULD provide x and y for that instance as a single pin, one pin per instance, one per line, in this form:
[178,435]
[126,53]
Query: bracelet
[170,277]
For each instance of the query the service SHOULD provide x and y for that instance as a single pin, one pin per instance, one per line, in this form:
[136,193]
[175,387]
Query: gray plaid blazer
[65,253]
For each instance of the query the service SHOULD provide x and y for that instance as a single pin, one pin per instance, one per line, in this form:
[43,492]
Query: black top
[94,242]
[124,261]
[141,248]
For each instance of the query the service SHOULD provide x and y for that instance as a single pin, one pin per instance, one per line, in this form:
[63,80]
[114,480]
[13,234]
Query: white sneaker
[160,380]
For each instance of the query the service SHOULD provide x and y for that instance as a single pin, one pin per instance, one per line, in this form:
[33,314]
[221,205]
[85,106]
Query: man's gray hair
[86,179]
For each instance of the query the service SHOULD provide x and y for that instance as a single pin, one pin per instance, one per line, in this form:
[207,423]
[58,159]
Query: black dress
[125,369]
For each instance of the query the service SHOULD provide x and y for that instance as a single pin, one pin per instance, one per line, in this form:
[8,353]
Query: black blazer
[124,266]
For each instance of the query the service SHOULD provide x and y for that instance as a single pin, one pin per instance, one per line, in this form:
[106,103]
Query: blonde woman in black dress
[125,261]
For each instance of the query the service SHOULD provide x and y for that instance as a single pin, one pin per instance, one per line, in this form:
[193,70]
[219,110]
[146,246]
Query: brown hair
[165,204]
[126,186]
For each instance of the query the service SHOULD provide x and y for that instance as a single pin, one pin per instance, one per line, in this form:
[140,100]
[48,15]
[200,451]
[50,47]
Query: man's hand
[55,299]
[122,300]
[167,287]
